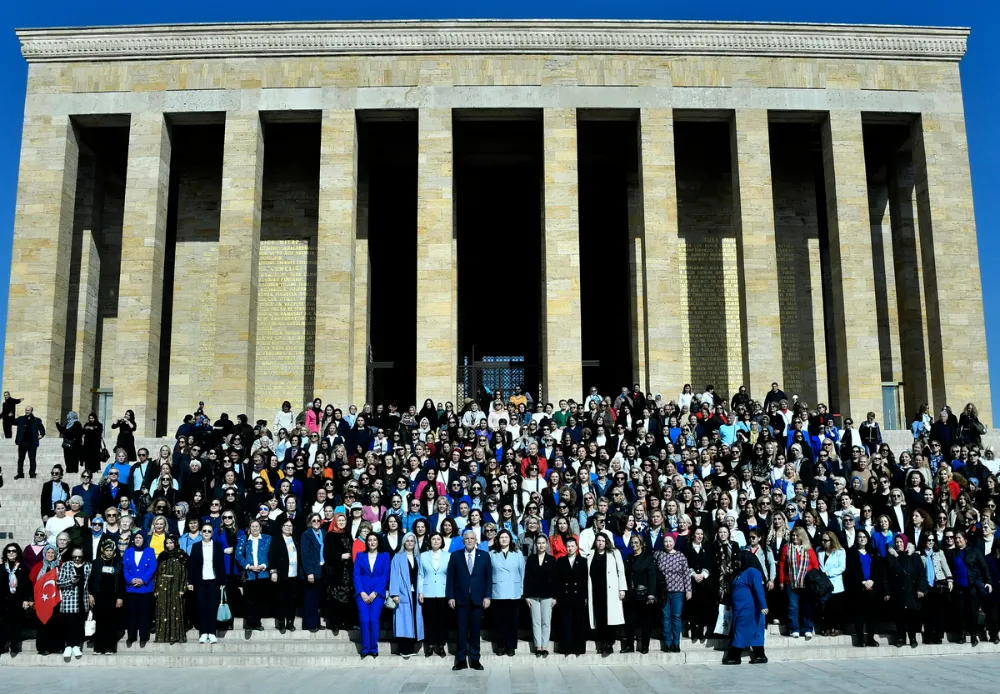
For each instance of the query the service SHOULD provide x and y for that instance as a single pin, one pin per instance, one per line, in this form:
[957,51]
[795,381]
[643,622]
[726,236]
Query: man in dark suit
[469,590]
[30,431]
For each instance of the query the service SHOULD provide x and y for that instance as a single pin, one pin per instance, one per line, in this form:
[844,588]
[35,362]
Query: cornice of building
[491,37]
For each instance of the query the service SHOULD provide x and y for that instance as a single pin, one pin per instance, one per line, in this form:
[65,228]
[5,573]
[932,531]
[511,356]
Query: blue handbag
[224,614]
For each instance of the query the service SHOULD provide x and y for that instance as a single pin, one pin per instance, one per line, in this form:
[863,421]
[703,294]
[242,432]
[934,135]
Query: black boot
[280,622]
[644,646]
[758,657]
[628,646]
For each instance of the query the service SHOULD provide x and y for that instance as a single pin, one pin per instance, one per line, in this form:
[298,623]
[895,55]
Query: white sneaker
[77,651]
[68,653]
[795,634]
[212,639]
[203,639]
[809,635]
[406,656]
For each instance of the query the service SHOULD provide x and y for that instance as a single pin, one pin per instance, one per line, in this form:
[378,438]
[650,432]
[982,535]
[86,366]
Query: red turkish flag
[46,595]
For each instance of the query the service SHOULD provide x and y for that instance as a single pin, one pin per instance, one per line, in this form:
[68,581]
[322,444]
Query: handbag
[224,614]
[90,626]
[390,604]
[105,455]
[818,584]
[724,622]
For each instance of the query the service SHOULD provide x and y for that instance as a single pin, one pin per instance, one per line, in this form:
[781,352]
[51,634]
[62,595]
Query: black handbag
[818,584]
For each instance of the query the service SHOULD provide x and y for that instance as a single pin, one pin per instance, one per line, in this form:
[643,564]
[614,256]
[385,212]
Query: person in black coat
[974,586]
[640,599]
[906,584]
[72,444]
[284,546]
[206,576]
[107,590]
[864,583]
[47,490]
[30,431]
[15,599]
[698,611]
[8,414]
[571,579]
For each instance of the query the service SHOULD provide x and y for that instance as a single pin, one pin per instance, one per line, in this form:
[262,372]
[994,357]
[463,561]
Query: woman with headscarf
[749,611]
[139,567]
[408,617]
[32,555]
[107,593]
[72,441]
[15,598]
[49,636]
[170,583]
[338,569]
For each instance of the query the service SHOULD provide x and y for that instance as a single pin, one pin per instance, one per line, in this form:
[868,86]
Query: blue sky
[982,106]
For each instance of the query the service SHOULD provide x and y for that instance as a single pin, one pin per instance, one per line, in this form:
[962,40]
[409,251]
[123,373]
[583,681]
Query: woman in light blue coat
[431,584]
[408,617]
[508,589]
[833,562]
[252,549]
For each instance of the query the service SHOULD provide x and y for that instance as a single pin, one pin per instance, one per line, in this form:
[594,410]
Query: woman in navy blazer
[312,571]
[432,583]
[139,567]
[371,585]
[206,575]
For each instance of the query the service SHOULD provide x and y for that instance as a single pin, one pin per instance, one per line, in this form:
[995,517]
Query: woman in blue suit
[408,618]
[371,584]
[508,589]
[431,584]
[251,555]
[312,571]
[139,567]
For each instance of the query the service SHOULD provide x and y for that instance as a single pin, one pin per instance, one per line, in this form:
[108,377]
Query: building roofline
[491,37]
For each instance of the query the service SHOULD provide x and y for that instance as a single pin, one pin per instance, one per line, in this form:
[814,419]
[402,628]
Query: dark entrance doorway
[498,203]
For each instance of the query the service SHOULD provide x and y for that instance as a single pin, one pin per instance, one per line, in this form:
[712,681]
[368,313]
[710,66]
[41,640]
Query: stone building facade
[196,212]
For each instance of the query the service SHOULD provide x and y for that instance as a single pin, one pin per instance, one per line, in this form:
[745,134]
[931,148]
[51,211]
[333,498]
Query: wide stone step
[269,654]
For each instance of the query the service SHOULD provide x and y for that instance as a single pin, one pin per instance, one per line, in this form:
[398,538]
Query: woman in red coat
[797,559]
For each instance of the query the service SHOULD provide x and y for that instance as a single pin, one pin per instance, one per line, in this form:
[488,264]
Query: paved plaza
[973,673]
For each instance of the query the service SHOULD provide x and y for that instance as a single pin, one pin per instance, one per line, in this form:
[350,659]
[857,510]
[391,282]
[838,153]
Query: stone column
[338,176]
[954,297]
[659,197]
[362,295]
[562,328]
[851,270]
[437,307]
[140,289]
[753,220]
[40,265]
[239,248]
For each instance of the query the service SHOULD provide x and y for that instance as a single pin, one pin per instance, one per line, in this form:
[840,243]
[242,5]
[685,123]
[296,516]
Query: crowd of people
[602,519]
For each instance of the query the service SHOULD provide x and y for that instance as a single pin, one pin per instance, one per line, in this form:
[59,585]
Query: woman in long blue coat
[749,612]
[408,617]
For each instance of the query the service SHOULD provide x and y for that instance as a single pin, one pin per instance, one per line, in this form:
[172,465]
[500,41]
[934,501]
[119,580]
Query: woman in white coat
[431,583]
[605,591]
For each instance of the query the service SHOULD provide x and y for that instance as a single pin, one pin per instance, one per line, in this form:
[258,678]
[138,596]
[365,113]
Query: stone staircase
[325,649]
[20,499]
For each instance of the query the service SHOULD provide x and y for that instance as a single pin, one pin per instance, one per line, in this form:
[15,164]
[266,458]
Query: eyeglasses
[228,517]
[206,531]
[77,557]
[11,551]
[112,515]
